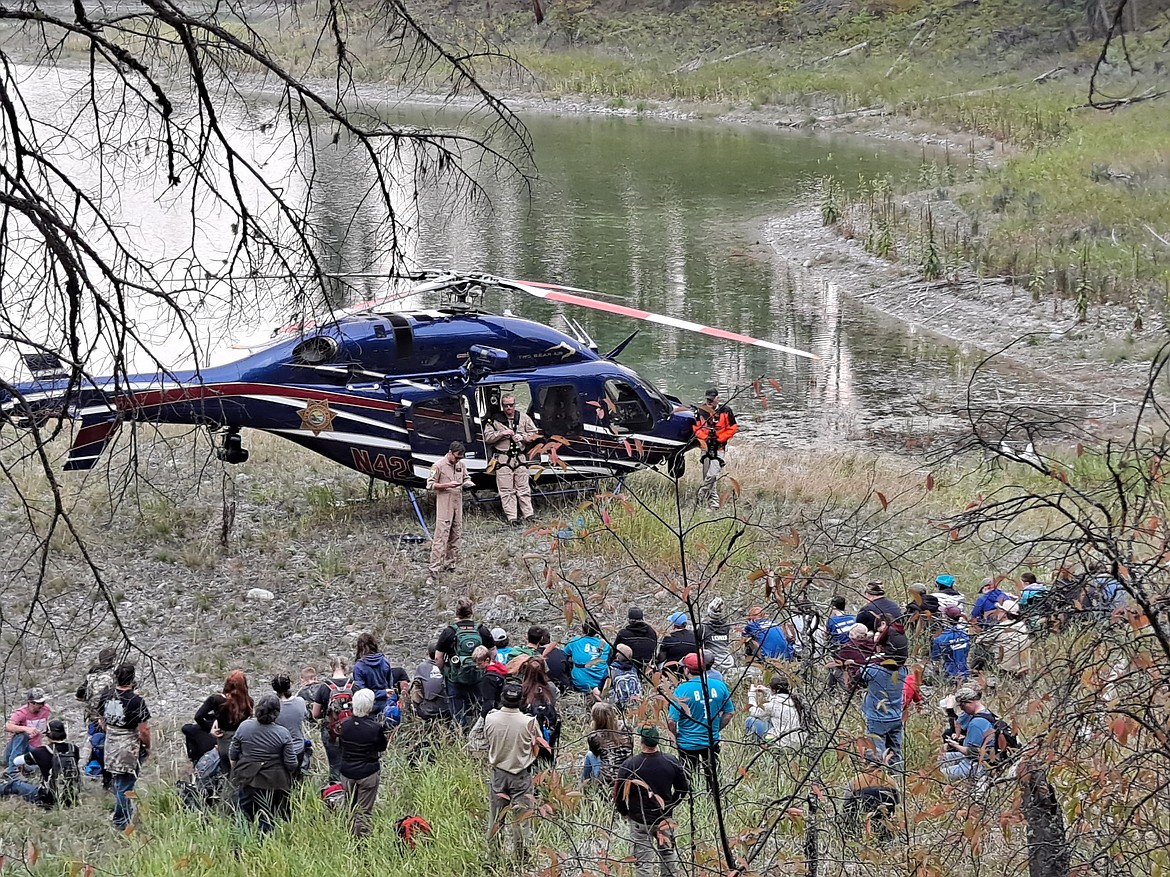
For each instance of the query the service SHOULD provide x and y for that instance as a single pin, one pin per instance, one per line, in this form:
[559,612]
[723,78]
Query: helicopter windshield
[664,405]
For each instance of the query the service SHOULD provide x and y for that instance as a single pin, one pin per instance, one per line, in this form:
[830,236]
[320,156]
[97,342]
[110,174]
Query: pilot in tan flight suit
[508,434]
[447,479]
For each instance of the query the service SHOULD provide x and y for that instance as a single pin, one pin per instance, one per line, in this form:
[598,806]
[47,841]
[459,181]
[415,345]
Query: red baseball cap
[691,662]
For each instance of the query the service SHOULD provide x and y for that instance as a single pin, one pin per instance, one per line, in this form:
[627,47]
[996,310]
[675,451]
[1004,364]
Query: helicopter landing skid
[422,521]
[479,500]
[577,488]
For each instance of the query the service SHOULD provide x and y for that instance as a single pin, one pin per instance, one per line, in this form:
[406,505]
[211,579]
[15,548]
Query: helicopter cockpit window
[559,409]
[628,411]
[442,419]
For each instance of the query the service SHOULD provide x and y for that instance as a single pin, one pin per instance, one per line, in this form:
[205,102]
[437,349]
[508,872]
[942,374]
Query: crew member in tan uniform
[447,479]
[508,434]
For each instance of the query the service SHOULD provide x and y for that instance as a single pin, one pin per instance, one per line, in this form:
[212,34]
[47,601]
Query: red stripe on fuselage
[94,433]
[153,398]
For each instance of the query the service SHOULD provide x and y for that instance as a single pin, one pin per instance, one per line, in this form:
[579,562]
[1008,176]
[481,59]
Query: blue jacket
[373,672]
[951,646]
[985,603]
[837,628]
[770,638]
[883,694]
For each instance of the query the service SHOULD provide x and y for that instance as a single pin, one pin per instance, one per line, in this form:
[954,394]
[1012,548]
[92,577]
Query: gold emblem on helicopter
[316,416]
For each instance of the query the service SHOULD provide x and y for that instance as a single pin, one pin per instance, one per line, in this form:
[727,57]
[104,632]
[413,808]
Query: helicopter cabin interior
[557,409]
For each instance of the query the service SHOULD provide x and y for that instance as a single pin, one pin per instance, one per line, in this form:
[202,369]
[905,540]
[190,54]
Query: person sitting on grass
[589,658]
[871,799]
[58,761]
[778,721]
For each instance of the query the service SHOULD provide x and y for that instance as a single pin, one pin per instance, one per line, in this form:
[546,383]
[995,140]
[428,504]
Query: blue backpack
[627,687]
[392,715]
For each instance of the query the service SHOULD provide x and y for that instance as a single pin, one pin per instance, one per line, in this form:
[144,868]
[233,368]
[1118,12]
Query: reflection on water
[643,210]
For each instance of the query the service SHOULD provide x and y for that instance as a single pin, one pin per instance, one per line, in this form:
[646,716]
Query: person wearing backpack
[625,686]
[334,704]
[59,762]
[539,699]
[90,692]
[428,690]
[453,656]
[987,739]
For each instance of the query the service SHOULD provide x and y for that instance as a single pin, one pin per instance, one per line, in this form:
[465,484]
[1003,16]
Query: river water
[652,213]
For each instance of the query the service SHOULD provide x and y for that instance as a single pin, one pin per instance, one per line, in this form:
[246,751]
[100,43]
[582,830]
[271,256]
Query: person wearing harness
[714,427]
[508,434]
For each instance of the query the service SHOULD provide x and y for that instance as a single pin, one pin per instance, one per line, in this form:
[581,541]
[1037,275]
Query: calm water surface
[652,213]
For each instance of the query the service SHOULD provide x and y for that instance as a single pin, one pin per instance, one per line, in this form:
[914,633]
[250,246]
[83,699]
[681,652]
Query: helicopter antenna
[583,336]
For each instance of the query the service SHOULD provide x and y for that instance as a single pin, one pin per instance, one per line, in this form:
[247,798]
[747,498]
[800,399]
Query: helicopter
[385,391]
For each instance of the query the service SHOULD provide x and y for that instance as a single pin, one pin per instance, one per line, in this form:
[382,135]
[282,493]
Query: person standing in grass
[264,758]
[649,787]
[126,721]
[338,689]
[513,739]
[698,713]
[882,709]
[453,656]
[363,740]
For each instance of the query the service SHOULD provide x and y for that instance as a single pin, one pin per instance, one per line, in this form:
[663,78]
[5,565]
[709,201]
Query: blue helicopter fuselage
[386,394]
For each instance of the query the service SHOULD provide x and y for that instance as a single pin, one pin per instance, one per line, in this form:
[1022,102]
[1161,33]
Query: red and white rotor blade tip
[570,295]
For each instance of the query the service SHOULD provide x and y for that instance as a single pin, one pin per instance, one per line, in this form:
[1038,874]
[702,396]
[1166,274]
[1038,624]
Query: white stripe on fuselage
[352,438]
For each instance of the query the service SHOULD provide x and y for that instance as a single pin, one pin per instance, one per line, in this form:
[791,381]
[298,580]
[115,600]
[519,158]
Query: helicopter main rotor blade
[568,295]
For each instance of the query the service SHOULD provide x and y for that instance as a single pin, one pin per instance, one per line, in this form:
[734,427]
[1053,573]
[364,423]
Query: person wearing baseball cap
[677,644]
[990,596]
[947,594]
[66,790]
[650,785]
[714,427]
[696,730]
[971,756]
[500,638]
[25,728]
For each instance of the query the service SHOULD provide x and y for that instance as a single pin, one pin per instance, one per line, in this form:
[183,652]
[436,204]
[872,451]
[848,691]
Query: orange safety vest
[721,423]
